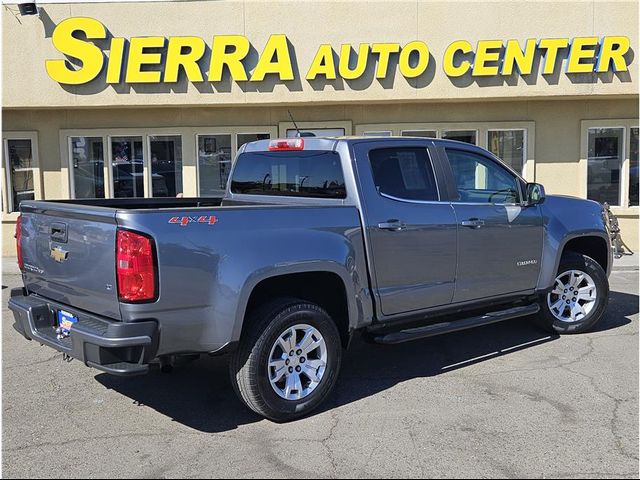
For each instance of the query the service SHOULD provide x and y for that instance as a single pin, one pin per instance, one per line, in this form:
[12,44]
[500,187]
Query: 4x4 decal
[184,221]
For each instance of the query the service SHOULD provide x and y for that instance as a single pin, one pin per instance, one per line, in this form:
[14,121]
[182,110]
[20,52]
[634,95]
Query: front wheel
[578,298]
[288,360]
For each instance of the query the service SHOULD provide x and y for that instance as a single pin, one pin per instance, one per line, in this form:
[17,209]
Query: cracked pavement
[504,400]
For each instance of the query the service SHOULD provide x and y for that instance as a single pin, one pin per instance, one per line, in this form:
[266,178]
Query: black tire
[249,363]
[583,263]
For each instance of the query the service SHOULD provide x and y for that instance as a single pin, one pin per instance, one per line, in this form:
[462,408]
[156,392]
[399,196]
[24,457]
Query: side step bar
[456,325]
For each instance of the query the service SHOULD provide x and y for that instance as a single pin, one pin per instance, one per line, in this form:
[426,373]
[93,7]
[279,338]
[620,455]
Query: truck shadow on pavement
[199,395]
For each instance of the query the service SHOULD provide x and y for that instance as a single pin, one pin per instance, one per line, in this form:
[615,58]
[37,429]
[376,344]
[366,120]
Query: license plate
[66,321]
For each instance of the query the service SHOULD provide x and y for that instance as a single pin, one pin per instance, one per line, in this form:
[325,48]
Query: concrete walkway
[628,263]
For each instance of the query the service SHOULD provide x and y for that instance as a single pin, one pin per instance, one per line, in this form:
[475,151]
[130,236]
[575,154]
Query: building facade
[153,98]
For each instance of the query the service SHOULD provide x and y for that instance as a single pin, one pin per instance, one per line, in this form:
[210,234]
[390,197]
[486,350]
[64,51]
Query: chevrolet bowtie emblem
[59,255]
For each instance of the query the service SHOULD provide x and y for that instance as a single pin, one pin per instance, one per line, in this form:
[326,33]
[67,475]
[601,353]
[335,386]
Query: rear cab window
[404,173]
[303,173]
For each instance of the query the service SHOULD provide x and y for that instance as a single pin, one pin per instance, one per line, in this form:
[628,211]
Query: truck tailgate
[69,255]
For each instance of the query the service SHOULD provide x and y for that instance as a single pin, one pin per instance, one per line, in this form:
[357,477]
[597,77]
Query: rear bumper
[117,348]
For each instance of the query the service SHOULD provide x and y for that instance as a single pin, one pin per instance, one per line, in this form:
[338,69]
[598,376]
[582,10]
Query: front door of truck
[499,239]
[411,234]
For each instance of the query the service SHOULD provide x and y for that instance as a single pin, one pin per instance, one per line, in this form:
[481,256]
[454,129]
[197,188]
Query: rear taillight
[136,267]
[19,242]
[286,144]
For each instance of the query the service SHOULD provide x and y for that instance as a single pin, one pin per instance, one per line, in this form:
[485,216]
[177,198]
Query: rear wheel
[288,360]
[578,298]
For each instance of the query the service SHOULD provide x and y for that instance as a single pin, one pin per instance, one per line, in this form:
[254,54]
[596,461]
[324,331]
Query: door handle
[473,223]
[392,225]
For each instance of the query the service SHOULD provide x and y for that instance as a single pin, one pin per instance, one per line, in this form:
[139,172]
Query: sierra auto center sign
[156,59]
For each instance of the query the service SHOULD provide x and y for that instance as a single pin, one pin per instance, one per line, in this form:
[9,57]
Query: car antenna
[294,123]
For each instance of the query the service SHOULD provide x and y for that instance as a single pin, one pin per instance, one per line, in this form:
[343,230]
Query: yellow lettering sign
[580,50]
[138,57]
[91,56]
[345,58]
[488,51]
[154,59]
[323,64]
[384,51]
[450,68]
[116,54]
[233,59]
[276,46]
[423,59]
[177,57]
[513,55]
[552,47]
[613,49]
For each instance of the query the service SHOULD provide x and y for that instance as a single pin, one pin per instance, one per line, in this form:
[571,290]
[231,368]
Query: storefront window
[316,132]
[467,136]
[127,166]
[166,165]
[87,160]
[604,161]
[384,133]
[633,167]
[243,138]
[508,146]
[214,163]
[20,165]
[420,133]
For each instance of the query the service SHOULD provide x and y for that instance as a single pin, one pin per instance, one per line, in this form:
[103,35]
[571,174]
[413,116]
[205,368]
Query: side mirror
[535,194]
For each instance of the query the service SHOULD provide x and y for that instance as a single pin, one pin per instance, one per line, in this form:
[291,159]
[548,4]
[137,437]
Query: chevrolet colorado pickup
[314,240]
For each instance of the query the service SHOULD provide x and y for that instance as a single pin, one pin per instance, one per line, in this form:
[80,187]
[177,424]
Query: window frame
[7,199]
[482,128]
[623,207]
[408,200]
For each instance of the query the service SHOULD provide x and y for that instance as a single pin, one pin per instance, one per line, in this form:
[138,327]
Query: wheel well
[594,247]
[325,289]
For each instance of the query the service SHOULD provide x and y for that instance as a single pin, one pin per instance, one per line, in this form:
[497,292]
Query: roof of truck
[329,143]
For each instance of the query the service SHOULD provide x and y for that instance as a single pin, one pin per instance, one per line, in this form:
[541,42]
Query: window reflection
[166,165]
[127,167]
[508,146]
[604,162]
[21,166]
[88,167]
[214,163]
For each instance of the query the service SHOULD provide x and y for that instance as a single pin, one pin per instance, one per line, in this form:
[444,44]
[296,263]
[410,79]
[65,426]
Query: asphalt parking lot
[499,401]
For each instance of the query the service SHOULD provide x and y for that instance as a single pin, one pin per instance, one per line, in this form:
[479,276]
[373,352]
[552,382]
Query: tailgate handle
[59,232]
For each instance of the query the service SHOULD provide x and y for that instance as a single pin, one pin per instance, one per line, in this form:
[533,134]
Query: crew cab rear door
[410,233]
[499,239]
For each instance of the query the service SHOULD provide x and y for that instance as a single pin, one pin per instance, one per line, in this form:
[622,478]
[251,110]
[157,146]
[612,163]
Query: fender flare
[354,312]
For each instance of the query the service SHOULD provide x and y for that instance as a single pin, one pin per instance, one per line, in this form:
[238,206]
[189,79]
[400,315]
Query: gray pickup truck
[314,240]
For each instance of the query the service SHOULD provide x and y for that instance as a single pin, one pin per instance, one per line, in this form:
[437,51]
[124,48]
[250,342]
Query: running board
[456,325]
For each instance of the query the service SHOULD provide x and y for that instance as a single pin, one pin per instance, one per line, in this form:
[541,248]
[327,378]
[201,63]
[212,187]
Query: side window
[404,173]
[481,180]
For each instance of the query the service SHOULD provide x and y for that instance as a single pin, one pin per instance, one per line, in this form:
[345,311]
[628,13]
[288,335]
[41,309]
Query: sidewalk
[628,263]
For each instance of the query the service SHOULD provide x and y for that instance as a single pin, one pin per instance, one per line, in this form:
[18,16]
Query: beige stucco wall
[554,105]
[556,140]
[27,43]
